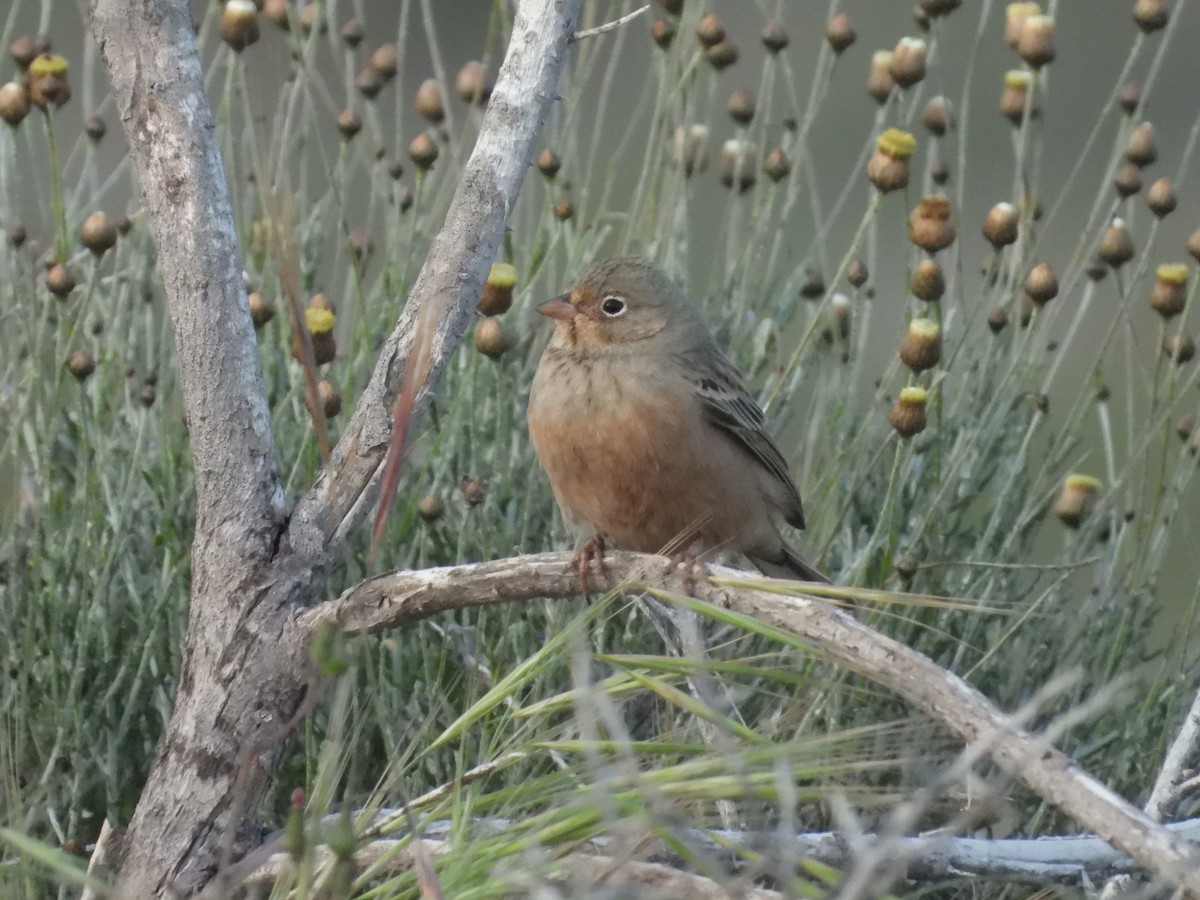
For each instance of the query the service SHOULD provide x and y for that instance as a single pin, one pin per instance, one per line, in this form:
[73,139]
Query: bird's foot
[591,551]
[690,566]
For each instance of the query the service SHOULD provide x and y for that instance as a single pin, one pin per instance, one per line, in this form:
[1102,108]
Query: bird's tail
[790,566]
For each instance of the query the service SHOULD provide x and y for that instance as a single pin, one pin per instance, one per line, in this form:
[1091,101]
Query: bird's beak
[559,307]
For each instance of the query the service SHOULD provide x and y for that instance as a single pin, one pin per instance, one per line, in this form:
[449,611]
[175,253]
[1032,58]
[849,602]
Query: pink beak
[559,308]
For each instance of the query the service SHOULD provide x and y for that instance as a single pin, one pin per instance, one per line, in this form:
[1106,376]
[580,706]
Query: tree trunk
[245,671]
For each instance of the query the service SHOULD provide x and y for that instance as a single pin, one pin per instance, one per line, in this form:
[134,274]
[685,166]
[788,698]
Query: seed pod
[710,31]
[497,295]
[721,56]
[688,148]
[1129,97]
[59,281]
[1193,244]
[23,51]
[1142,148]
[887,168]
[738,164]
[319,322]
[368,82]
[329,397]
[430,508]
[1015,16]
[908,414]
[548,163]
[1150,15]
[662,33]
[1184,426]
[16,236]
[262,310]
[1179,348]
[840,33]
[276,12]
[907,65]
[997,319]
[80,364]
[1035,45]
[879,78]
[939,172]
[564,210]
[1128,180]
[774,38]
[146,396]
[840,311]
[1017,85]
[928,283]
[474,490]
[1001,225]
[936,115]
[308,19]
[428,101]
[1041,285]
[238,24]
[857,274]
[777,166]
[14,103]
[98,234]
[1161,198]
[48,84]
[472,84]
[1169,293]
[1116,246]
[813,286]
[921,348]
[929,225]
[386,61]
[404,199]
[95,129]
[349,123]
[423,151]
[741,106]
[1077,499]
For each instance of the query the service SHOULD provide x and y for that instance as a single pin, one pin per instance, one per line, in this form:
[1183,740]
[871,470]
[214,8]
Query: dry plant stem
[400,598]
[244,671]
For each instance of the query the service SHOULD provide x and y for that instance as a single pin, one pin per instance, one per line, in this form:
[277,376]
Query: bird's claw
[691,568]
[592,551]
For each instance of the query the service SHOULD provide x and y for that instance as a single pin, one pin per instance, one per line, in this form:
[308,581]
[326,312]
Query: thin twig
[608,26]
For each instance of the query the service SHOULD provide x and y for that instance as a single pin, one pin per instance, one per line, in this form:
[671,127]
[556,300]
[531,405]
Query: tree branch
[399,598]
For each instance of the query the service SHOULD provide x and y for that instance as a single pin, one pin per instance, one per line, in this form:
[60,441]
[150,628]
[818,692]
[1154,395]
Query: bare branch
[608,26]
[398,598]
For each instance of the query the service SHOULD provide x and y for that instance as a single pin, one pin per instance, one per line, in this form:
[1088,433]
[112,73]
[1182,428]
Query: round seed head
[1161,198]
[423,151]
[907,65]
[1151,15]
[1193,244]
[936,115]
[929,224]
[777,166]
[1179,348]
[548,163]
[349,123]
[887,168]
[840,33]
[1129,97]
[1116,246]
[741,106]
[428,101]
[1077,499]
[1168,296]
[385,60]
[662,32]
[497,295]
[95,129]
[997,319]
[490,339]
[329,397]
[16,236]
[23,50]
[721,55]
[710,31]
[1017,87]
[353,34]
[879,78]
[928,283]
[430,508]
[14,103]
[59,281]
[1001,225]
[921,348]
[738,164]
[404,199]
[1128,180]
[1041,284]
[774,38]
[1035,45]
[688,147]
[1015,15]
[857,273]
[98,234]
[81,364]
[474,490]
[1142,148]
[1184,426]
[48,84]
[310,18]
[564,210]
[939,172]
[262,310]
[471,83]
[276,12]
[368,82]
[813,286]
[238,24]
[908,416]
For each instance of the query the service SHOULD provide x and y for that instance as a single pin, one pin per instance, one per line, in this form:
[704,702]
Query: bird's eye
[612,307]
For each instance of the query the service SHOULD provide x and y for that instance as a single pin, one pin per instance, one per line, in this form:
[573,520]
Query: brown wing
[728,405]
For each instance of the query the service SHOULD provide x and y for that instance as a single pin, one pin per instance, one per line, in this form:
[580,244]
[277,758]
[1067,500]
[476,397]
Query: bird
[647,432]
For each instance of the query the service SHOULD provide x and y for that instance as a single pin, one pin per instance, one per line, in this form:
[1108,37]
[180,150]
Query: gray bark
[244,673]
